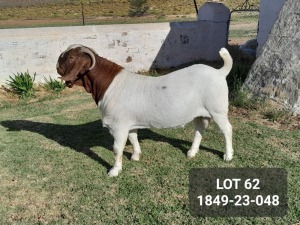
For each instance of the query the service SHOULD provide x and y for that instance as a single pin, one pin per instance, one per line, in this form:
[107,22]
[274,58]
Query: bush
[22,84]
[138,7]
[275,115]
[237,96]
[241,99]
[54,85]
[236,78]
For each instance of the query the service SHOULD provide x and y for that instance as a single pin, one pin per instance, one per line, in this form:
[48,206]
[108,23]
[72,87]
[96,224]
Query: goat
[129,101]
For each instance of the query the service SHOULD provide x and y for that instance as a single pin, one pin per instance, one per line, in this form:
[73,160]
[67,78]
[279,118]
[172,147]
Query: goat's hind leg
[226,128]
[132,136]
[201,124]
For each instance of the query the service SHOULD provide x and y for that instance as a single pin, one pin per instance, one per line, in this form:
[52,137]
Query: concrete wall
[37,49]
[135,46]
[268,13]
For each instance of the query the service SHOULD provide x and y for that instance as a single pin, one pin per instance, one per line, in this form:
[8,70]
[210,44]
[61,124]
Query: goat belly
[167,118]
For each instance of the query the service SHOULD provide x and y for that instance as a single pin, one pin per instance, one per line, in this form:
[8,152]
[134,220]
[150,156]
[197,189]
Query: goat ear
[78,82]
[86,83]
[83,82]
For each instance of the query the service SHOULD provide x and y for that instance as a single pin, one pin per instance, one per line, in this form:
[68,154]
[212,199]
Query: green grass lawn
[54,157]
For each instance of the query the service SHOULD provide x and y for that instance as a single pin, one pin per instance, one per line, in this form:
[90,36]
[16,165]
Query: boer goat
[129,101]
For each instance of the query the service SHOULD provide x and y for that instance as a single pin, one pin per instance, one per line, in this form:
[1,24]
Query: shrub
[138,7]
[238,97]
[54,85]
[275,115]
[22,84]
[241,99]
[237,77]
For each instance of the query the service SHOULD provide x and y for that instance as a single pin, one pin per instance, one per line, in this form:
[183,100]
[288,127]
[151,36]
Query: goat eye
[70,57]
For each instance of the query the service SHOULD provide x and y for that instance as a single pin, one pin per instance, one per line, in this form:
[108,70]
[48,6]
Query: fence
[244,23]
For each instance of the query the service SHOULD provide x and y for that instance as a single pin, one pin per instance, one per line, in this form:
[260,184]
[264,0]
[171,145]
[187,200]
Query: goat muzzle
[69,84]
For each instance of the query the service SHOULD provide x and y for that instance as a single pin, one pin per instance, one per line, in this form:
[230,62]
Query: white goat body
[130,101]
[167,101]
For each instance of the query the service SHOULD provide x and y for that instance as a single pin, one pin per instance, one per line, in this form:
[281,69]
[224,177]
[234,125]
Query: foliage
[54,85]
[235,80]
[22,84]
[138,7]
[241,99]
[275,115]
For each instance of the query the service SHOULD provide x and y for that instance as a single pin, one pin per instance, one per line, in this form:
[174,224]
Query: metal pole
[82,13]
[196,7]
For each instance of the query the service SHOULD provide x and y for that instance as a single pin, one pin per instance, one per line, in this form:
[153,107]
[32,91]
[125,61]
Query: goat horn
[91,54]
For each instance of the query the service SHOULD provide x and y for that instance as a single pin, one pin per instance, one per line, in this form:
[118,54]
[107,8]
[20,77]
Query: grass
[54,157]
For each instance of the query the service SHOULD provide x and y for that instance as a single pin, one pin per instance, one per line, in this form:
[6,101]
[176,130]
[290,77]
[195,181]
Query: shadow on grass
[83,137]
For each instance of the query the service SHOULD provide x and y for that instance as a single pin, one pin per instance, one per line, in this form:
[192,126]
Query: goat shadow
[83,137]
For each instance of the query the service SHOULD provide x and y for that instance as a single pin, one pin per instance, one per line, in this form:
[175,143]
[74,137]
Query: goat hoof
[135,158]
[191,153]
[114,172]
[227,157]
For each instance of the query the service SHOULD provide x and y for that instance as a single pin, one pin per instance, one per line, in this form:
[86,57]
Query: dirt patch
[37,23]
[288,122]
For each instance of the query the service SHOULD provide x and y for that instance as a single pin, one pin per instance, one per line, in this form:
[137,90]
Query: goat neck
[97,80]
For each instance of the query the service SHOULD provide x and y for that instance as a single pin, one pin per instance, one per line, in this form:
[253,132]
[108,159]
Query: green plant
[275,115]
[242,99]
[22,84]
[138,7]
[235,81]
[54,85]
[237,76]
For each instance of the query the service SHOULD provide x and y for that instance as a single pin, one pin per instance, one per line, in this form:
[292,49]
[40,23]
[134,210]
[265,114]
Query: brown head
[74,63]
[80,65]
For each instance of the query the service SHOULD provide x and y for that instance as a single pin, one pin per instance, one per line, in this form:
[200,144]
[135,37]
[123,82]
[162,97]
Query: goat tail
[227,62]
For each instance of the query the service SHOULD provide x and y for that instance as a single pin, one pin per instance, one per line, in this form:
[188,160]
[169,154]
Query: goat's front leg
[120,138]
[132,136]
